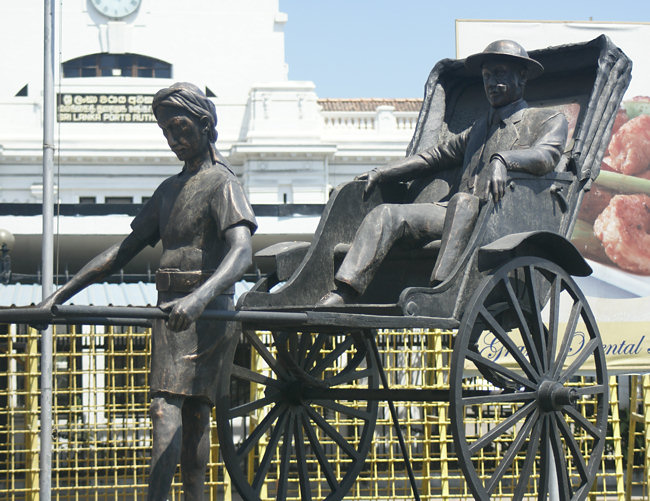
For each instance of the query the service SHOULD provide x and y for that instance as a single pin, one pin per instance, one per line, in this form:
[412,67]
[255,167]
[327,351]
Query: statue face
[185,134]
[503,81]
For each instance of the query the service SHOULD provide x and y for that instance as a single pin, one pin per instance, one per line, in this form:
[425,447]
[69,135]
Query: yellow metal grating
[102,434]
[637,472]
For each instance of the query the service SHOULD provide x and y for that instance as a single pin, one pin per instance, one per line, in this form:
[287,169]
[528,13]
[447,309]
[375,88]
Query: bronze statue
[205,223]
[511,136]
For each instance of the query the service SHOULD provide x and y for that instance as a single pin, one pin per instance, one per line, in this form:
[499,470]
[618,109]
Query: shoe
[332,299]
[342,295]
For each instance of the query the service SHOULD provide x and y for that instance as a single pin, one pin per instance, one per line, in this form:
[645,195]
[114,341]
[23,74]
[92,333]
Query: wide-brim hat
[504,49]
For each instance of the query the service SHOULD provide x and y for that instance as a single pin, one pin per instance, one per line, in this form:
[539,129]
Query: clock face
[116,8]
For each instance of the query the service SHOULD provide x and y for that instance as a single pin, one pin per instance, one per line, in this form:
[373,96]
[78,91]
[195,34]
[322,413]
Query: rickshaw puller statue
[205,222]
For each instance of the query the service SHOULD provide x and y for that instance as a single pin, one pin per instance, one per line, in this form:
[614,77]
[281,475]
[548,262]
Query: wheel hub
[290,392]
[552,396]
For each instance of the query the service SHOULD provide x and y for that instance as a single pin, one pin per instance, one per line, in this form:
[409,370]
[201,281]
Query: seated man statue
[204,221]
[511,136]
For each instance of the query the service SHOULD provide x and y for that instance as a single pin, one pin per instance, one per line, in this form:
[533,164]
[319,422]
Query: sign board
[105,108]
[626,346]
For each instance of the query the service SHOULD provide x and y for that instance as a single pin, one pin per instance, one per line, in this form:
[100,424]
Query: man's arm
[188,309]
[445,155]
[540,158]
[545,149]
[101,266]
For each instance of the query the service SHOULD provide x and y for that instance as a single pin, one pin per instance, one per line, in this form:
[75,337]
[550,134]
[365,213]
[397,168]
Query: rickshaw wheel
[528,383]
[283,429]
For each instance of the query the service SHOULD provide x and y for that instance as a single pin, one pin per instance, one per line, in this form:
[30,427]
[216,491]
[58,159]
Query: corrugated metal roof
[103,294]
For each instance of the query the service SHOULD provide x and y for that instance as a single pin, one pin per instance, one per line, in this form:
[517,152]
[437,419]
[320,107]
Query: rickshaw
[297,406]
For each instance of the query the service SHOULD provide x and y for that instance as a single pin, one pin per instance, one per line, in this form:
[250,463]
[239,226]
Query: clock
[116,9]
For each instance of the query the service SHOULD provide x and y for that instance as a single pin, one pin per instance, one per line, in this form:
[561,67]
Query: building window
[116,65]
[118,200]
[87,200]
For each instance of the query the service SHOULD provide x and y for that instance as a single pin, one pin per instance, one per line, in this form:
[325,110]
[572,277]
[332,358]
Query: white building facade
[286,145]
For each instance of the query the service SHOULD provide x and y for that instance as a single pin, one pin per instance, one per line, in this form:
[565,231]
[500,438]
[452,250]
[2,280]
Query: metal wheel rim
[539,415]
[300,421]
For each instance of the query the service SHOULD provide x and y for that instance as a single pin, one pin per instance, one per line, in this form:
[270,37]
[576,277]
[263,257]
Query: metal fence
[102,431]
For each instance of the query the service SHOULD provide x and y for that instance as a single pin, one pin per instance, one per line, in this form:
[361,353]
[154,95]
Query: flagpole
[47,250]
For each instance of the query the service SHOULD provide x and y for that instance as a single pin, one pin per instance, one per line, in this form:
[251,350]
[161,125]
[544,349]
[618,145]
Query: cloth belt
[180,281]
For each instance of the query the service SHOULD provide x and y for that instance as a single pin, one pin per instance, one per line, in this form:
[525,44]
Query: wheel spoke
[285,459]
[280,339]
[505,397]
[246,374]
[250,407]
[344,409]
[529,462]
[502,427]
[265,353]
[545,464]
[301,459]
[500,333]
[333,434]
[314,351]
[260,430]
[303,346]
[582,421]
[293,344]
[573,446]
[331,357]
[481,360]
[554,318]
[565,347]
[529,271]
[512,452]
[348,377]
[269,454]
[589,348]
[284,351]
[356,359]
[320,453]
[526,336]
[560,465]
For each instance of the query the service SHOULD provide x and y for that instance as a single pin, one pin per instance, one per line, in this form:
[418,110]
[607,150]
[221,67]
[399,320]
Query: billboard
[107,108]
[613,227]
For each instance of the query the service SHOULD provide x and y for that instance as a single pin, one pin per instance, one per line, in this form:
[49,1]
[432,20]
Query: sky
[386,48]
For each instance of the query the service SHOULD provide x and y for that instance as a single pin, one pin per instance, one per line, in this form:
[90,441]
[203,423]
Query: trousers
[413,225]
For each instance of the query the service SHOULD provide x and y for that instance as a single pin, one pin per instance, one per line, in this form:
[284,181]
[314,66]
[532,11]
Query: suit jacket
[526,139]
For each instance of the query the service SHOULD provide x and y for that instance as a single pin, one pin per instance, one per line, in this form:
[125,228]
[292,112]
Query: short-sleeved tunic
[189,214]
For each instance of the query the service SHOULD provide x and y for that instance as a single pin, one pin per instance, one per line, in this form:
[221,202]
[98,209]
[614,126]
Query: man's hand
[497,181]
[183,312]
[371,178]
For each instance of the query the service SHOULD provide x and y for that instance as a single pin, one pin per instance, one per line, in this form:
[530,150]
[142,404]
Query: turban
[190,98]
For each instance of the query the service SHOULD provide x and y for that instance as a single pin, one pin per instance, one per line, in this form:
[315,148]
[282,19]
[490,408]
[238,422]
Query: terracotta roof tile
[369,104]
